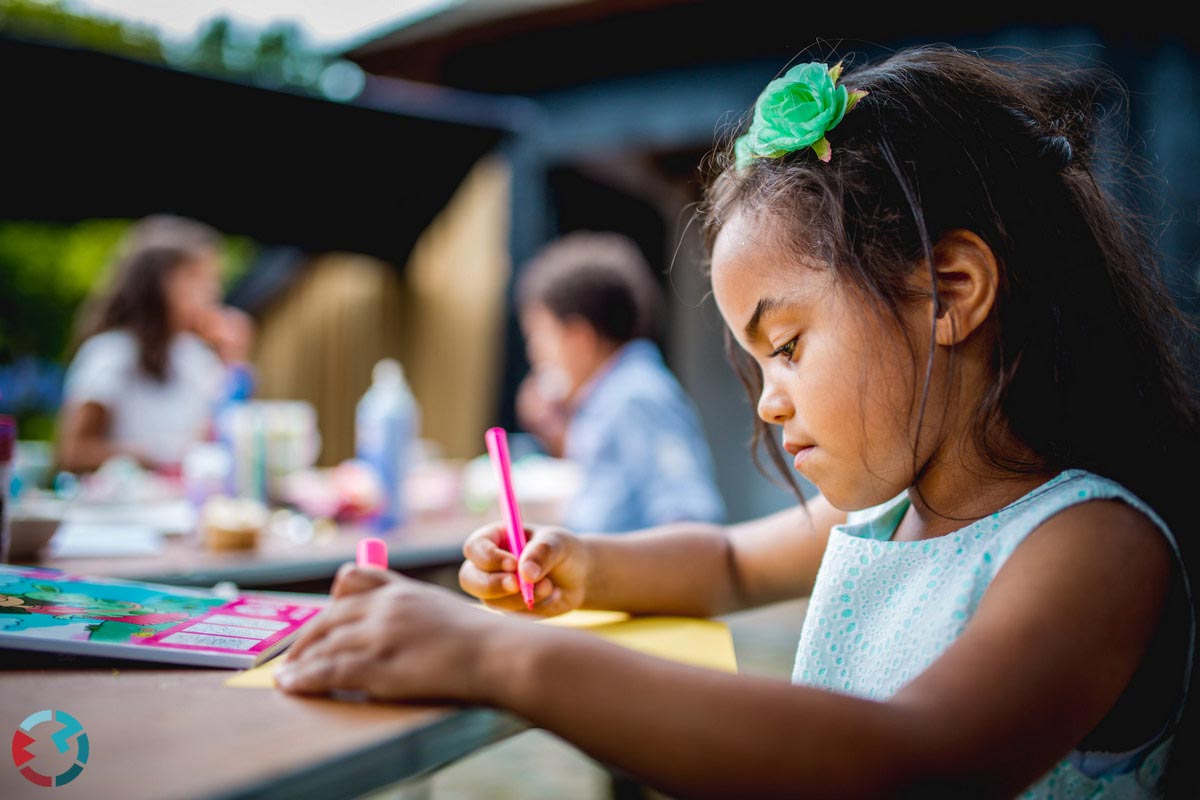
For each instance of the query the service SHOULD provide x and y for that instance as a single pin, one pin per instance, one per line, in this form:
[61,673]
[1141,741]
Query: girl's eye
[786,349]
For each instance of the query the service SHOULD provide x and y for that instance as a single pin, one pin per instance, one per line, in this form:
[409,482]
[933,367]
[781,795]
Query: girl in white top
[142,382]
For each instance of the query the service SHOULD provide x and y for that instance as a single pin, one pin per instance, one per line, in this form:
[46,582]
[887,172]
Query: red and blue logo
[69,730]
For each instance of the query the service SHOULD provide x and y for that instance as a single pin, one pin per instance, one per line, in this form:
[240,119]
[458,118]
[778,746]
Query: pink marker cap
[372,553]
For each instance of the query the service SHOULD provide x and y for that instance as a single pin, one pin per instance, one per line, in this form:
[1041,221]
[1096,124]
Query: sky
[327,24]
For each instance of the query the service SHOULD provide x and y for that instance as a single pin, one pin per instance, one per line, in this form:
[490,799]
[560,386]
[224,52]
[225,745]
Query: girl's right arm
[687,569]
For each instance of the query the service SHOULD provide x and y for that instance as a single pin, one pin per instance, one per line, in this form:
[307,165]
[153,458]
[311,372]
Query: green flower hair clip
[794,112]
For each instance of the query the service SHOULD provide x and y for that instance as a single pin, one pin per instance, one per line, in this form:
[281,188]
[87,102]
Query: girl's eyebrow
[767,306]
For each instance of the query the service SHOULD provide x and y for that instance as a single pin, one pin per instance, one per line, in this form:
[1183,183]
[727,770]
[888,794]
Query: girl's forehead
[750,262]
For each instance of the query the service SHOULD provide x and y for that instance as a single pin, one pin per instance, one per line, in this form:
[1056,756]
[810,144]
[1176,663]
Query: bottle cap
[387,370]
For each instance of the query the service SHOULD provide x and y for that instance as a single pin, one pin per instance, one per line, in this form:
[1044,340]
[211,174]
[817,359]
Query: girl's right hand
[554,561]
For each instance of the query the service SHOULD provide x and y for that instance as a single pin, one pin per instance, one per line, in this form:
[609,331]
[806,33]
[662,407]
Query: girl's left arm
[1056,638]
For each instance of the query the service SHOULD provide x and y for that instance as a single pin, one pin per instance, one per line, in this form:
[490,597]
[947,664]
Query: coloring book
[53,611]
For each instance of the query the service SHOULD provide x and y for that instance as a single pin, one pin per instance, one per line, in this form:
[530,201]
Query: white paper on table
[85,540]
[175,516]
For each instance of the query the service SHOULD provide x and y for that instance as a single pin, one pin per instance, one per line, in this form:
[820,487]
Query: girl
[142,382]
[967,347]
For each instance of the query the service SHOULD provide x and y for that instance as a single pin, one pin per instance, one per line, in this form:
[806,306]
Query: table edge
[408,755]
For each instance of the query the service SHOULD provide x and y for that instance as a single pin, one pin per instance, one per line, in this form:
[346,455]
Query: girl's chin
[802,458]
[842,495]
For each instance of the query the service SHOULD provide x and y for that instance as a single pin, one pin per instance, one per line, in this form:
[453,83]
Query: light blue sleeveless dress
[882,611]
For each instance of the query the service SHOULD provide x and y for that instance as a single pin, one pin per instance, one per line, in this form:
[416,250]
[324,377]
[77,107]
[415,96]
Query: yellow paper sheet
[260,677]
[702,642]
[586,618]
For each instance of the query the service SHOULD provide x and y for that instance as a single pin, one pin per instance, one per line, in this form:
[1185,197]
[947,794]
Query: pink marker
[497,445]
[372,553]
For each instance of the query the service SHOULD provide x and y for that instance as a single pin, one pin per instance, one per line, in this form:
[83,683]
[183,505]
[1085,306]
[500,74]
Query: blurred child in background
[143,381]
[599,393]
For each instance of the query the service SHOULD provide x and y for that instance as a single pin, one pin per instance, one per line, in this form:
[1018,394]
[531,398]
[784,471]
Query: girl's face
[192,289]
[834,379]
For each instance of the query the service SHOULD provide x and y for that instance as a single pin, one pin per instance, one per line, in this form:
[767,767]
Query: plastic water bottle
[385,431]
[236,392]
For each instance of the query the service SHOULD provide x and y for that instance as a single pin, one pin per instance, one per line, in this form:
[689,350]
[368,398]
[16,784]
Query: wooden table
[165,732]
[170,732]
[277,562]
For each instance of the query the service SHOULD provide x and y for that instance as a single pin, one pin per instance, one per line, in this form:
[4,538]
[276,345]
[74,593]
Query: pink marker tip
[372,553]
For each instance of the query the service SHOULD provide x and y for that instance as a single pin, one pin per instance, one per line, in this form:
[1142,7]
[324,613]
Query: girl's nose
[773,405]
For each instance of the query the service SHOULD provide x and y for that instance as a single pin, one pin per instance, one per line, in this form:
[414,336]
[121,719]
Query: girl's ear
[967,280]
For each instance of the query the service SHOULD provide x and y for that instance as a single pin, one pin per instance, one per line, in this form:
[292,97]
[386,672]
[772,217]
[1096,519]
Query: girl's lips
[802,454]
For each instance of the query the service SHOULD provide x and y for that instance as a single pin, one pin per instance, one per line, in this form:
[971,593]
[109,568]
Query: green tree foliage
[277,56]
[46,271]
[54,20]
[210,52]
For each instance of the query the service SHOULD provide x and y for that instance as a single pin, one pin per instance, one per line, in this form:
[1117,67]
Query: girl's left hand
[394,638]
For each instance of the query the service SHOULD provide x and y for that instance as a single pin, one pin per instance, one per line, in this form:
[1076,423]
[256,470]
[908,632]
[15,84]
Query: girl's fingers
[353,579]
[514,602]
[542,589]
[483,549]
[542,554]
[551,604]
[346,670]
[348,637]
[339,612]
[486,585]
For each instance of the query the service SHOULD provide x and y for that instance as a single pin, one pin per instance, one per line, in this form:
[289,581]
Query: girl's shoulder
[111,352]
[1086,522]
[102,368]
[1070,498]
[1092,531]
[112,343]
[1062,499]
